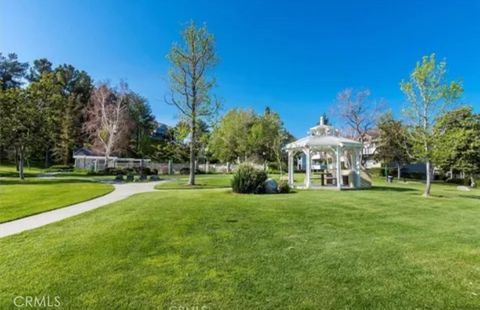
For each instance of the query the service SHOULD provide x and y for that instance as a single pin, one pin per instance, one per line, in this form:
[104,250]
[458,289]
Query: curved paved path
[120,192]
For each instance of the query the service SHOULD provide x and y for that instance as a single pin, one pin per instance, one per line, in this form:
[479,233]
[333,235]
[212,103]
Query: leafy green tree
[20,124]
[143,125]
[457,142]
[46,94]
[12,71]
[172,146]
[40,66]
[77,87]
[429,96]
[393,145]
[190,83]
[231,138]
[267,137]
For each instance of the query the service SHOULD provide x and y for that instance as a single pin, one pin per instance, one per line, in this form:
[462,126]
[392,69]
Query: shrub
[60,168]
[119,178]
[186,170]
[130,177]
[283,187]
[112,171]
[145,171]
[248,180]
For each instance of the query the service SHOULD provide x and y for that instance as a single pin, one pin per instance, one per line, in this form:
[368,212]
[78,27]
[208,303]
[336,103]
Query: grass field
[384,248]
[202,181]
[206,181]
[35,195]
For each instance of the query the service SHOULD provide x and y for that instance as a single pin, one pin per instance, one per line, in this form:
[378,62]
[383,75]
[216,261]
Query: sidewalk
[120,192]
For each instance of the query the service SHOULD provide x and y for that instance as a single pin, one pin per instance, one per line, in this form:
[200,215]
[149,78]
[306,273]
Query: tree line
[47,112]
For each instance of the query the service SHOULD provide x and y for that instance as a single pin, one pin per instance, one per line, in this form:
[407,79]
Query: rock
[463,188]
[270,186]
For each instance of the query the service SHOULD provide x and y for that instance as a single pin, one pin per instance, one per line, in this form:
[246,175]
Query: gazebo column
[308,168]
[339,167]
[358,181]
[290,168]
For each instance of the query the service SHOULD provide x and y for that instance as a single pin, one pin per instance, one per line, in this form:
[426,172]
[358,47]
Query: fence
[175,168]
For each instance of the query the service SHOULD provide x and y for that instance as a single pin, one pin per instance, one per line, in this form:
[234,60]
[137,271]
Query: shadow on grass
[15,175]
[469,196]
[192,187]
[390,189]
[41,181]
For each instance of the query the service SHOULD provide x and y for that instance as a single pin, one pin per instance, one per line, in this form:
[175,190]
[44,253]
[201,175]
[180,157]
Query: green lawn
[35,195]
[205,181]
[384,248]
[202,181]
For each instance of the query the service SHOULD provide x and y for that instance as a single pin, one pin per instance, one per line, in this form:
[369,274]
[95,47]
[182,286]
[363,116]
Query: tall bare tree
[190,82]
[107,119]
[357,111]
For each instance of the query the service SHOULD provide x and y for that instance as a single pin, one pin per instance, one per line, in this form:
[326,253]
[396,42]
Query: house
[94,161]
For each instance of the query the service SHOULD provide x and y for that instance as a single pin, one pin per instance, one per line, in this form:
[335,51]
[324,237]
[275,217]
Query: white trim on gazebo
[324,140]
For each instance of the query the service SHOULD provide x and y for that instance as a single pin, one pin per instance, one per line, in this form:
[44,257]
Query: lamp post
[207,164]
[264,161]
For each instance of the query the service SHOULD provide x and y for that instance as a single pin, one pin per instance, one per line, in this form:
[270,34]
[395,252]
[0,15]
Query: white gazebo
[338,159]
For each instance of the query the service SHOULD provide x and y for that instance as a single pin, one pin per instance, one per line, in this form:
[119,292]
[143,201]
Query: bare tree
[357,112]
[107,119]
[190,84]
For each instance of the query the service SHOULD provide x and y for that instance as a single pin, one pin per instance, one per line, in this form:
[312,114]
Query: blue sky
[293,56]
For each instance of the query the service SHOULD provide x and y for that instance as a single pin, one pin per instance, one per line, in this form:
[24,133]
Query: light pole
[264,162]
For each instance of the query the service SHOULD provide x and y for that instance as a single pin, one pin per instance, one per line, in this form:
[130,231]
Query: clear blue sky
[293,56]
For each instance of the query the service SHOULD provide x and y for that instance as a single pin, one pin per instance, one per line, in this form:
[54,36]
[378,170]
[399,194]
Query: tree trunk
[428,183]
[66,156]
[191,179]
[46,158]
[21,162]
[399,171]
[472,181]
[16,159]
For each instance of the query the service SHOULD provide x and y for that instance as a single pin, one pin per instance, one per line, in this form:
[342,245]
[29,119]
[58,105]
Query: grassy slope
[380,248]
[22,198]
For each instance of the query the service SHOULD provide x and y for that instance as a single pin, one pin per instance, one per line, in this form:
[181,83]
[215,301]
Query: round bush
[249,180]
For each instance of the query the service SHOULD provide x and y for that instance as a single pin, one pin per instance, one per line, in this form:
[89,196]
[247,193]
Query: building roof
[84,152]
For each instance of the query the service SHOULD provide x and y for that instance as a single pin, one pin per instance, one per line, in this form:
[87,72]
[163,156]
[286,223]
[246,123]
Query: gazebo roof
[322,142]
[322,136]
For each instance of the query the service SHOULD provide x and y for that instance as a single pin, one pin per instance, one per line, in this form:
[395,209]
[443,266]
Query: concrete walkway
[120,192]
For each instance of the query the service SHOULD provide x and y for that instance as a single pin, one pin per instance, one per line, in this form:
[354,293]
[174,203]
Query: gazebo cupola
[339,159]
